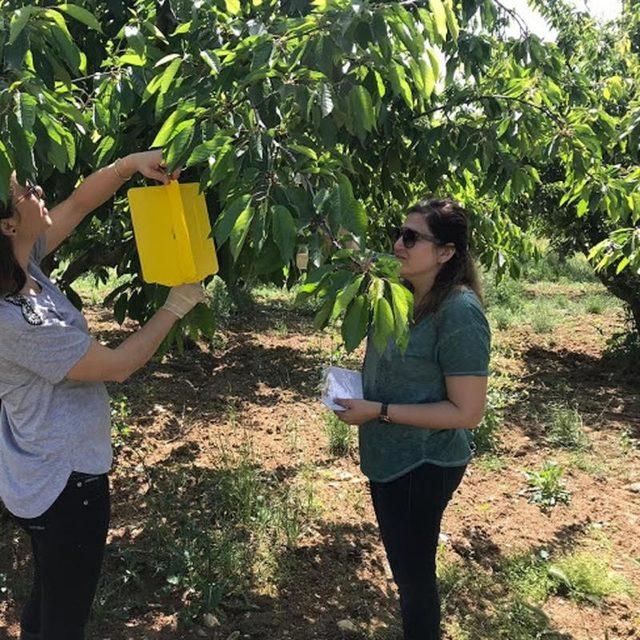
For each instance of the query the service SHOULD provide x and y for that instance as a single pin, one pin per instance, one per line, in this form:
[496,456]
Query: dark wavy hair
[12,275]
[449,223]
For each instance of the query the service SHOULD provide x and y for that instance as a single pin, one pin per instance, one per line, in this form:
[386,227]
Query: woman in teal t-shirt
[419,407]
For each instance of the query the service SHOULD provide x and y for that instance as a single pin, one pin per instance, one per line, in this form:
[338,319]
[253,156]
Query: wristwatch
[384,414]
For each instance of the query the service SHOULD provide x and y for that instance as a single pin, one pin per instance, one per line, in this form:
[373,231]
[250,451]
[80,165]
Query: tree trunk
[626,286]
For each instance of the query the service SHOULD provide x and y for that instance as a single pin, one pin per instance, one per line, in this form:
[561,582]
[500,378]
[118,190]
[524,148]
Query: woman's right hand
[183,298]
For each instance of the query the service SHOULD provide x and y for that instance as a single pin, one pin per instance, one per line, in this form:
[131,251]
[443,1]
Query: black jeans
[409,511]
[68,542]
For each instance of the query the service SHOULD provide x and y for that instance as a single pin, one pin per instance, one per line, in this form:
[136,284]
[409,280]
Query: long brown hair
[12,275]
[449,223]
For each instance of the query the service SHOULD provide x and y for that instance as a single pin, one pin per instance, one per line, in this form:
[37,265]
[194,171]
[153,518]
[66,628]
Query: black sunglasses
[411,236]
[30,190]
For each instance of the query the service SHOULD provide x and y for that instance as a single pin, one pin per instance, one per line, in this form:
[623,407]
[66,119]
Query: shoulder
[462,313]
[12,322]
[461,301]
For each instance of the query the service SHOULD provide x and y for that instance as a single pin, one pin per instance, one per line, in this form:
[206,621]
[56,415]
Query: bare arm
[463,408]
[97,189]
[102,364]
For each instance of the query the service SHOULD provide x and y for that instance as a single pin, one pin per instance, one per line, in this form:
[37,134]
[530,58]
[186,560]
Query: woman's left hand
[357,411]
[151,165]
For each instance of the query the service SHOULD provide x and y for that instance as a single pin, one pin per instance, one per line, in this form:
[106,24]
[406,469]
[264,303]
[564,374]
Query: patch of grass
[566,429]
[339,435]
[479,605]
[596,304]
[584,576]
[212,534]
[504,294]
[546,487]
[590,464]
[491,462]
[503,318]
[527,576]
[542,317]
[554,267]
[629,439]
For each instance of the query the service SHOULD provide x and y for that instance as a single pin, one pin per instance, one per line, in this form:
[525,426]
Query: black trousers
[409,512]
[68,542]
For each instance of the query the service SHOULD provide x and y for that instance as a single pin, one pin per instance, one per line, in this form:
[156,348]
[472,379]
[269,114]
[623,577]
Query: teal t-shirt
[453,341]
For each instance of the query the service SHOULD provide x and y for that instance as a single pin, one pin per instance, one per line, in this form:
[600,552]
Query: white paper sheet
[340,383]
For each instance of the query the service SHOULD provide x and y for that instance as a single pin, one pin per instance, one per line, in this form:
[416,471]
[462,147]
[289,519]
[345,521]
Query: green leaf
[27,110]
[326,99]
[347,294]
[284,232]
[5,173]
[305,151]
[22,149]
[399,83]
[239,231]
[81,15]
[440,15]
[19,21]
[382,323]
[210,149]
[179,144]
[582,208]
[168,129]
[322,317]
[135,39]
[66,46]
[402,301]
[452,21]
[228,218]
[347,210]
[233,7]
[355,323]
[169,74]
[362,108]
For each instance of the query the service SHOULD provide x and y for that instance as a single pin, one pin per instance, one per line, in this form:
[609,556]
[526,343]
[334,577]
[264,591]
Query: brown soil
[259,384]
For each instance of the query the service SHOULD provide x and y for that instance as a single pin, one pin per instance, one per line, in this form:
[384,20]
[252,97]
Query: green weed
[486,434]
[120,416]
[339,435]
[584,576]
[566,428]
[543,318]
[546,487]
[527,576]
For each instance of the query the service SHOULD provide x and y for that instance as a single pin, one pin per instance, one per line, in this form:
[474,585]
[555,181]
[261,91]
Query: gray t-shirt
[49,426]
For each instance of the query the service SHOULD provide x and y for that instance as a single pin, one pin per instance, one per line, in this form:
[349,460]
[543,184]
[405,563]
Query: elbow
[121,375]
[473,421]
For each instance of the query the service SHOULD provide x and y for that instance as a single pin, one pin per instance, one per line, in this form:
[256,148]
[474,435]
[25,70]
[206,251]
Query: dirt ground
[259,383]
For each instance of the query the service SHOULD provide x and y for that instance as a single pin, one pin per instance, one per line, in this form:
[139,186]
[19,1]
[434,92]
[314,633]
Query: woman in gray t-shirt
[55,448]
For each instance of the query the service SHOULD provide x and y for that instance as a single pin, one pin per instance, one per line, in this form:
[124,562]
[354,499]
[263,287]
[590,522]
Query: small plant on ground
[486,435]
[120,417]
[546,487]
[503,317]
[527,575]
[595,304]
[629,439]
[584,576]
[542,318]
[566,429]
[339,435]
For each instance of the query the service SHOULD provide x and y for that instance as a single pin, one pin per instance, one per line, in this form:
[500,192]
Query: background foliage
[311,127]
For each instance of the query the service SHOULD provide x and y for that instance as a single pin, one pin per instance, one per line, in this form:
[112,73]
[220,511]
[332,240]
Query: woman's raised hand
[183,298]
[150,164]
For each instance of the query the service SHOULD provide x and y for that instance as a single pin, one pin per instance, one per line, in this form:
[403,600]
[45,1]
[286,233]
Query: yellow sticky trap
[171,226]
